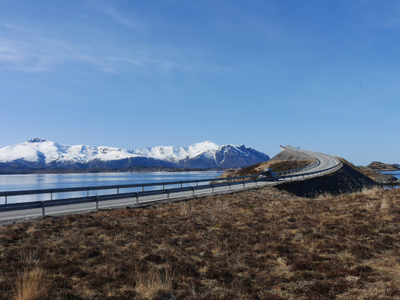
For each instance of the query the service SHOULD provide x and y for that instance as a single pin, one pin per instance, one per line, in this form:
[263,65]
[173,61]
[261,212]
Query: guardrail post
[142,188]
[51,196]
[167,194]
[181,184]
[137,198]
[117,191]
[87,193]
[5,199]
[163,186]
[197,183]
[193,190]
[97,202]
[43,211]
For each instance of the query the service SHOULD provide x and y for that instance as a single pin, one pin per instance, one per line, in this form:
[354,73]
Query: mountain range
[38,153]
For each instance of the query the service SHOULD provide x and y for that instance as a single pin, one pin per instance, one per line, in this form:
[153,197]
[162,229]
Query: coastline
[105,170]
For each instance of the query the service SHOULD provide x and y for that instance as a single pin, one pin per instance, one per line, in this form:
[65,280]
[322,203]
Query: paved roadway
[326,162]
[18,215]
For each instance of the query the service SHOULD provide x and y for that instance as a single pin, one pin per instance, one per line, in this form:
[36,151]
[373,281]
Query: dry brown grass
[259,244]
[31,285]
[284,165]
[277,166]
[154,281]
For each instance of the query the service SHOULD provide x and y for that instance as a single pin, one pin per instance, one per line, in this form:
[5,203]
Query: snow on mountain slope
[39,152]
[35,148]
[32,150]
[175,154]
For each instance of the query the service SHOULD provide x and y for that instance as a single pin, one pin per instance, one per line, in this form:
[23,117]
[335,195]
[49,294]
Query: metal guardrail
[96,199]
[317,163]
[111,187]
[118,187]
[322,172]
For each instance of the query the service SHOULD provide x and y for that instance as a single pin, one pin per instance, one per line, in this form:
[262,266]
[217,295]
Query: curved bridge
[325,163]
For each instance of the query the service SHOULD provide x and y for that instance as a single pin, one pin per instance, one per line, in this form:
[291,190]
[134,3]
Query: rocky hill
[373,171]
[378,166]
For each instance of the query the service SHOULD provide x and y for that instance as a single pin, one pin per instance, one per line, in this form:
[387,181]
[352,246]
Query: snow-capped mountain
[41,153]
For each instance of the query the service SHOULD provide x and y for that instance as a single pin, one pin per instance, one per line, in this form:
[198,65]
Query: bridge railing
[212,183]
[117,188]
[317,163]
[314,174]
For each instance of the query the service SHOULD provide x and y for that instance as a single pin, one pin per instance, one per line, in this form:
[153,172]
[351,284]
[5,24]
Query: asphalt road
[27,214]
[326,162]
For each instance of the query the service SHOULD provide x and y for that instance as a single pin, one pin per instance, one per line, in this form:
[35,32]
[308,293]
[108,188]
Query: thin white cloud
[16,55]
[42,49]
[119,18]
[40,55]
[31,53]
[130,20]
[9,53]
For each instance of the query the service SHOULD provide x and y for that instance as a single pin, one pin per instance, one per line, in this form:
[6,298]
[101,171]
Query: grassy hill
[332,237]
[259,244]
[277,166]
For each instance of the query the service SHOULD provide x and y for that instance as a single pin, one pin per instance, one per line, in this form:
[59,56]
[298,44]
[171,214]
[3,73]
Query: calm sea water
[395,174]
[51,181]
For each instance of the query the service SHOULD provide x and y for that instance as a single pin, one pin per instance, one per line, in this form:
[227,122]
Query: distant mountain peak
[41,153]
[206,144]
[37,140]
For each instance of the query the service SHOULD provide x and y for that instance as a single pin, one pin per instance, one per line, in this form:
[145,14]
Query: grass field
[258,244]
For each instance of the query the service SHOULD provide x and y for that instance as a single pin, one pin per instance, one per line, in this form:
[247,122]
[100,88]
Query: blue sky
[321,75]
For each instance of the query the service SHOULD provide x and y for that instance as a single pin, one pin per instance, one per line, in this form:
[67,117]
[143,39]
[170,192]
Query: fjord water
[395,174]
[55,181]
